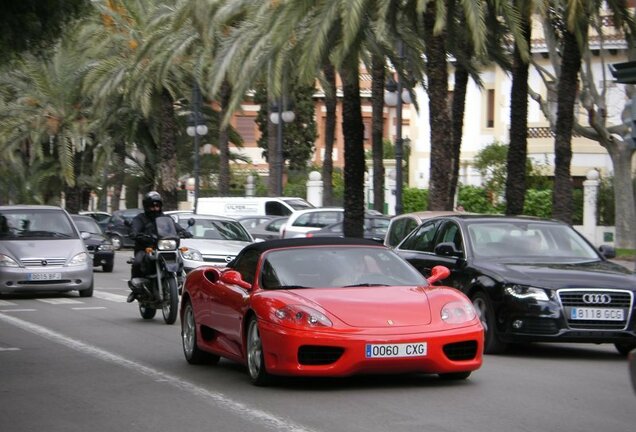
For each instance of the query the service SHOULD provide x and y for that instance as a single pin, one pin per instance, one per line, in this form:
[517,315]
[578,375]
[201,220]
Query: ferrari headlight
[166,245]
[79,259]
[458,312]
[6,261]
[303,316]
[524,292]
[191,254]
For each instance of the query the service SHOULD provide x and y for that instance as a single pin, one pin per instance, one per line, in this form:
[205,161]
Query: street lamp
[395,95]
[280,111]
[196,128]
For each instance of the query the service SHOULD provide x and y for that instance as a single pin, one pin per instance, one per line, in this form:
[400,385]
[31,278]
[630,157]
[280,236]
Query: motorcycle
[163,274]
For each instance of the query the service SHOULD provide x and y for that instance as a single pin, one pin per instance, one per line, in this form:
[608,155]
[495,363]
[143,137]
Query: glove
[186,234]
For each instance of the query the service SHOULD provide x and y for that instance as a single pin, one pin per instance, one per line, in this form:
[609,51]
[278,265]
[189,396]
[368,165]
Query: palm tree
[331,102]
[518,146]
[46,117]
[124,64]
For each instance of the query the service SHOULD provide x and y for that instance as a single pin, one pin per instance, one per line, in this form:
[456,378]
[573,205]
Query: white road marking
[9,349]
[18,310]
[6,303]
[246,412]
[117,298]
[89,308]
[59,301]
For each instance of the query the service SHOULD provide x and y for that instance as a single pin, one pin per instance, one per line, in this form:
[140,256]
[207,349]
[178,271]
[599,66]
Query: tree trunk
[224,150]
[624,204]
[439,117]
[566,97]
[117,166]
[518,147]
[169,182]
[377,126]
[331,102]
[353,130]
[458,108]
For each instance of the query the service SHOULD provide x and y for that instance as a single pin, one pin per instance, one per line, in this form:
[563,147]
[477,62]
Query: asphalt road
[92,364]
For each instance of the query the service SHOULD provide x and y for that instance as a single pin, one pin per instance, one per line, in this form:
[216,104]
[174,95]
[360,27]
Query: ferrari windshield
[523,239]
[336,266]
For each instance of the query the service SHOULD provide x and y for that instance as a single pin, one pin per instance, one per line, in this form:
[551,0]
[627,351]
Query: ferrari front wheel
[255,356]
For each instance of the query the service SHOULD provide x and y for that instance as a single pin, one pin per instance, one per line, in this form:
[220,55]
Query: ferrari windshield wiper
[292,287]
[364,285]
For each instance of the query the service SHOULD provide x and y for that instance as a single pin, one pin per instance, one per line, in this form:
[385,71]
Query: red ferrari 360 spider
[328,307]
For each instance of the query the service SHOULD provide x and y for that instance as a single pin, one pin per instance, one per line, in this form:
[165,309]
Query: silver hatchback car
[42,250]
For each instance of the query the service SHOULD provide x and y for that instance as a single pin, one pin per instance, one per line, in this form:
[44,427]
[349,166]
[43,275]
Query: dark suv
[117,230]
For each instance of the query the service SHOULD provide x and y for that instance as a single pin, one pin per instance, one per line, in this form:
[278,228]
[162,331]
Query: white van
[248,206]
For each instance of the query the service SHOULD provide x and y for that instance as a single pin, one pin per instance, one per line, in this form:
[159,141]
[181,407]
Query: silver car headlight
[166,245]
[79,259]
[525,292]
[191,254]
[6,261]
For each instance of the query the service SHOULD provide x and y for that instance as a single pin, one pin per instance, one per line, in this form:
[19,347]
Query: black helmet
[151,198]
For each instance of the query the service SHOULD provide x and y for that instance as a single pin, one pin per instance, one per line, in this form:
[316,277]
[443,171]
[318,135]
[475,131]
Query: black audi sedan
[530,279]
[99,246]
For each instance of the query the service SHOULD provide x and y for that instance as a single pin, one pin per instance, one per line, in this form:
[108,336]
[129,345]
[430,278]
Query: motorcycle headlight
[6,261]
[191,254]
[301,316]
[79,259]
[166,245]
[458,312]
[524,292]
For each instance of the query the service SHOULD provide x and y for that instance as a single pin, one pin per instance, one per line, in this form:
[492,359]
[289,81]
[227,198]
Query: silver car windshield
[216,229]
[523,239]
[315,267]
[35,224]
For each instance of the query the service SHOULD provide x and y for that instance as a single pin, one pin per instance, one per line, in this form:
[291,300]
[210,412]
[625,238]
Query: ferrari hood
[373,306]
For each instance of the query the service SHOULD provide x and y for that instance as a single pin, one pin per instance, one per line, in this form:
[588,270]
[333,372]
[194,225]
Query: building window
[246,127]
[490,108]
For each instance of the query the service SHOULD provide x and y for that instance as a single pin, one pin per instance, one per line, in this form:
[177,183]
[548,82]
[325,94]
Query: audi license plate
[600,314]
[413,349]
[44,276]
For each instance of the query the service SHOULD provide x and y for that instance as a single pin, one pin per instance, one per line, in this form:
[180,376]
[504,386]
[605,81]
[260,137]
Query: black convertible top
[261,247]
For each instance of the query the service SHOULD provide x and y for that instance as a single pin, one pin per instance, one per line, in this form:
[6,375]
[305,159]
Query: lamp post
[395,95]
[196,128]
[280,111]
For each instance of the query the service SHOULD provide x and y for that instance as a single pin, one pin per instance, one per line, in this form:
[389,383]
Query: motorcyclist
[144,232]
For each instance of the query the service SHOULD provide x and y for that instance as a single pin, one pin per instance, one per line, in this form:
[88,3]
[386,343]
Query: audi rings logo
[597,298]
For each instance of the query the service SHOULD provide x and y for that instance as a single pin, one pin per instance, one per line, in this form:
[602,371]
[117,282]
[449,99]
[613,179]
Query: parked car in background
[375,228]
[42,250]
[216,240]
[269,229]
[304,221]
[118,230]
[99,216]
[328,307]
[530,279]
[250,222]
[99,246]
[401,225]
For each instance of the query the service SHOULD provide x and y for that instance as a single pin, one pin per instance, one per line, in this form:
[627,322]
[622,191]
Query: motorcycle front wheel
[147,312]
[170,301]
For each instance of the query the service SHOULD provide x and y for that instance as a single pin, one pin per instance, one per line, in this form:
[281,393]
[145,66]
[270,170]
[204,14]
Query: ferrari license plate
[44,276]
[413,349]
[599,314]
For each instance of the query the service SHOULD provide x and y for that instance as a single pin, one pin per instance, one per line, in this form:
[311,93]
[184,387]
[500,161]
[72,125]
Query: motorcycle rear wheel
[147,312]
[171,301]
